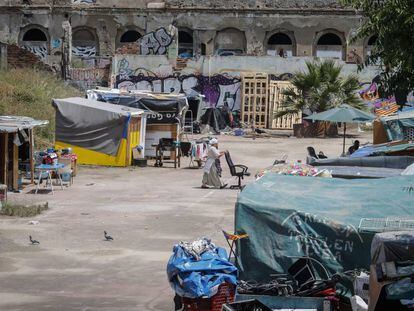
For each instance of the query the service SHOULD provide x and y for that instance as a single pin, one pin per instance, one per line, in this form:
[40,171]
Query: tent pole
[343,149]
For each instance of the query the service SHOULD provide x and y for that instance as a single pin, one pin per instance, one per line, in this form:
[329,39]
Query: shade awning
[12,124]
[343,113]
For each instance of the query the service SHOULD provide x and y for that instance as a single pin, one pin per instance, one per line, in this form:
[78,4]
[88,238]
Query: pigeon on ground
[34,242]
[108,237]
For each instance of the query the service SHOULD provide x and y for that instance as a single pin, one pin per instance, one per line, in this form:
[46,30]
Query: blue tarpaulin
[195,279]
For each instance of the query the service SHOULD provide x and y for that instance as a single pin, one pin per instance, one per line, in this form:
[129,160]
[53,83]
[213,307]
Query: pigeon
[108,237]
[34,242]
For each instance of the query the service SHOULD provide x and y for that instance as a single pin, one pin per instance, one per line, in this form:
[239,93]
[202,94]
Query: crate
[225,294]
[255,106]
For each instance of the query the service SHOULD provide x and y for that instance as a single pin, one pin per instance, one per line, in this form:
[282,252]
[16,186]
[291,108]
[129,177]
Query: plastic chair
[66,171]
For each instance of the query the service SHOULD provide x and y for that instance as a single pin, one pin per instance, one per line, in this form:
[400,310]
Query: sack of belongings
[196,270]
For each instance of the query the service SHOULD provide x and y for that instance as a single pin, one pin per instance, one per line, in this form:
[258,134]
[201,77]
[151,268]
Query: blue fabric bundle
[195,279]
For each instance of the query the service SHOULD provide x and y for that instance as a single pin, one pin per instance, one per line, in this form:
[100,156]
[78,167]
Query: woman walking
[211,177]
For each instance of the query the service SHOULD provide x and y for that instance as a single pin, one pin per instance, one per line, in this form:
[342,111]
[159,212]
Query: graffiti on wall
[155,43]
[84,51]
[217,89]
[56,43]
[87,78]
[83,1]
[38,50]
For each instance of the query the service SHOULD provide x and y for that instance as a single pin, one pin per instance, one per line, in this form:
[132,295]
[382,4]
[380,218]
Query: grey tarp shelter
[92,125]
[287,217]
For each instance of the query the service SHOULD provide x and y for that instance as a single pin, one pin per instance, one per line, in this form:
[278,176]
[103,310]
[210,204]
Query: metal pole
[343,150]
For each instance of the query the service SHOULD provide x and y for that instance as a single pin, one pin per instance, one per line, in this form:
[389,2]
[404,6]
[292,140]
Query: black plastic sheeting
[392,246]
[159,111]
[217,118]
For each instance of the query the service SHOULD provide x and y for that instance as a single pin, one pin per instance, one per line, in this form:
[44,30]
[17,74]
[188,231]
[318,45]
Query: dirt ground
[146,210]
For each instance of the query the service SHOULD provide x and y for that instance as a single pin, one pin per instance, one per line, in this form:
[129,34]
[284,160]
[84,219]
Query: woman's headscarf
[213,141]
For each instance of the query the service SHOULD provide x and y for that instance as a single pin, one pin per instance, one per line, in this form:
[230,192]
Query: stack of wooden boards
[262,100]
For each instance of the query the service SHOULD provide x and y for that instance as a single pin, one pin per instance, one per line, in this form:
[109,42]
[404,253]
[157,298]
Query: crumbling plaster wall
[160,66]
[109,19]
[253,4]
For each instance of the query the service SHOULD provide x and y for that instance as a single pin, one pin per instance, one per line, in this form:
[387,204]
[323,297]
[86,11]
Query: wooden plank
[276,97]
[4,155]
[15,167]
[255,100]
[31,154]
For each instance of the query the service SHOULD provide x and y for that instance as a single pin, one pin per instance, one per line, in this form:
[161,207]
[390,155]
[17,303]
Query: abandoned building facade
[280,28]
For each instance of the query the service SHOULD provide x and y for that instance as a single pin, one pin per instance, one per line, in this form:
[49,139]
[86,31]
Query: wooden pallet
[276,97]
[254,109]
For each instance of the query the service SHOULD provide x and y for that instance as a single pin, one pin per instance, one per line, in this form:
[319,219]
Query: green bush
[29,92]
[18,210]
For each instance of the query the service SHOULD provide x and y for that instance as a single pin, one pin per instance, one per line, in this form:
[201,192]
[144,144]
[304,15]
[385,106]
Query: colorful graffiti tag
[217,89]
[84,51]
[156,42]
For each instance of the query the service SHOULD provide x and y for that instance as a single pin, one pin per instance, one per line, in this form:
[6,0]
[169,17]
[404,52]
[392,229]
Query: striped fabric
[386,109]
[234,237]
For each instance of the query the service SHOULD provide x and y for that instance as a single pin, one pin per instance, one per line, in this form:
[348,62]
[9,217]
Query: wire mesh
[385,224]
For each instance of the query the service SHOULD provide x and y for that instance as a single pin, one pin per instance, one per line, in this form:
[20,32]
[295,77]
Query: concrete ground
[146,210]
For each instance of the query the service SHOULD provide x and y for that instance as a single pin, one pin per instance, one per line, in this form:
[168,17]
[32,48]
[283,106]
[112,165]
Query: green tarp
[287,217]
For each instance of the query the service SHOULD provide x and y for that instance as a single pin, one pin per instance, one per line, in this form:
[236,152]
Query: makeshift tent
[99,133]
[399,126]
[16,148]
[287,217]
[162,108]
[217,118]
[398,148]
[165,113]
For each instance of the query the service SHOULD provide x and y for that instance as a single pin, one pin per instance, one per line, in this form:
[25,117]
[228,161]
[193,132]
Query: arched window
[203,49]
[185,44]
[35,40]
[329,39]
[372,40]
[34,35]
[84,43]
[130,36]
[230,42]
[330,45]
[370,45]
[127,35]
[281,44]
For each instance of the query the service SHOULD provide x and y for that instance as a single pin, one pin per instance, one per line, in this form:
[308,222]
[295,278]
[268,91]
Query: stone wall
[253,4]
[20,58]
[256,20]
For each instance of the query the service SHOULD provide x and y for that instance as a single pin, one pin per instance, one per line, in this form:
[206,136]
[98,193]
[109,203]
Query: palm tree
[319,89]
